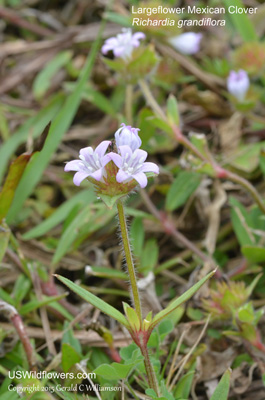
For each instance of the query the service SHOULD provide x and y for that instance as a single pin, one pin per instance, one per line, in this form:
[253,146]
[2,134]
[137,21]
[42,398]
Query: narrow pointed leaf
[95,301]
[178,301]
[222,390]
[14,175]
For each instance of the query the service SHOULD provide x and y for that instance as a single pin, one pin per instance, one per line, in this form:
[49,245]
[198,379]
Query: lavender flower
[123,44]
[187,43]
[238,84]
[128,136]
[132,165]
[91,163]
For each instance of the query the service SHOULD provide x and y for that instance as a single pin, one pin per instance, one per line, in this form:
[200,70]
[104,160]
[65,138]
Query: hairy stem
[152,381]
[129,259]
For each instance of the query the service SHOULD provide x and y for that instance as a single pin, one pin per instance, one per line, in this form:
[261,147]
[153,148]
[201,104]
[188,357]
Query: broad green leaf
[95,301]
[254,254]
[69,357]
[43,80]
[242,23]
[149,256]
[12,180]
[137,236]
[84,197]
[59,127]
[178,301]
[222,390]
[70,233]
[33,126]
[21,288]
[172,110]
[69,338]
[114,371]
[4,239]
[181,189]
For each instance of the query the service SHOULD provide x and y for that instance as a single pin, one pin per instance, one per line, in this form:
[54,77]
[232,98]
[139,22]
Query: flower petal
[79,177]
[97,174]
[105,160]
[141,154]
[74,165]
[86,152]
[122,176]
[116,158]
[150,167]
[102,147]
[141,179]
[125,150]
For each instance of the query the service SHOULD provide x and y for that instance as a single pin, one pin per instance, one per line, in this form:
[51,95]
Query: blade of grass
[59,127]
[242,22]
[34,126]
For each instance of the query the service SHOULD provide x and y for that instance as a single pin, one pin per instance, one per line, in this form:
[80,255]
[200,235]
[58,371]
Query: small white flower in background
[123,44]
[238,84]
[91,163]
[127,135]
[187,43]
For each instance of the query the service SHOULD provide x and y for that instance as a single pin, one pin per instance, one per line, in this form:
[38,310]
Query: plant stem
[128,104]
[129,259]
[152,381]
[151,100]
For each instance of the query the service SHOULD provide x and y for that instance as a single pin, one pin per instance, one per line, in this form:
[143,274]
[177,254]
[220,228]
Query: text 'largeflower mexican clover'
[114,174]
[123,44]
[238,84]
[187,43]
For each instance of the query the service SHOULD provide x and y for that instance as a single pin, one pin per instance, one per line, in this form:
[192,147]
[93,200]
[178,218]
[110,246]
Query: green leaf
[114,371]
[222,390]
[239,217]
[181,189]
[83,198]
[95,301]
[14,175]
[137,236]
[59,127]
[4,239]
[254,254]
[43,79]
[69,338]
[69,357]
[178,301]
[184,385]
[35,304]
[70,233]
[172,110]
[242,23]
[34,126]
[149,256]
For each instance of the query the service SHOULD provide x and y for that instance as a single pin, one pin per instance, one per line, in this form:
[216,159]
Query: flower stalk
[129,259]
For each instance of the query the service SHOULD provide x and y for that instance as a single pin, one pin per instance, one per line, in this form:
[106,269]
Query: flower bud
[187,43]
[128,136]
[238,84]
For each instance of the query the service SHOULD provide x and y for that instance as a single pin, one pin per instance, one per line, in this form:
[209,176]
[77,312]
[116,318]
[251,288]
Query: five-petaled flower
[123,44]
[91,163]
[238,84]
[132,165]
[127,135]
[187,43]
